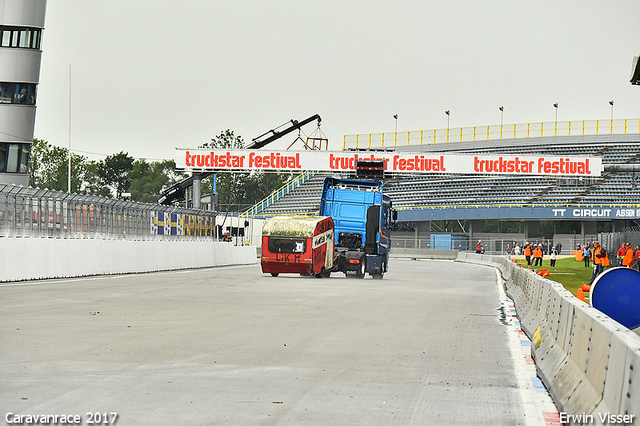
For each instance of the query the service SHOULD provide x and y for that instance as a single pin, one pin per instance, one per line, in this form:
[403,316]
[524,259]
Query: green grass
[568,272]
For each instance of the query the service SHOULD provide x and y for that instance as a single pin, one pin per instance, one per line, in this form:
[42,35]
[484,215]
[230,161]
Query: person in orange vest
[527,253]
[627,259]
[537,256]
[600,260]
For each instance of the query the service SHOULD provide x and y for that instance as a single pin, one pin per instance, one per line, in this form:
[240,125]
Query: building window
[25,38]
[14,157]
[18,93]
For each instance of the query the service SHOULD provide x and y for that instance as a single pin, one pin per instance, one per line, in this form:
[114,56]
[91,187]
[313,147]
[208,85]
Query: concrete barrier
[424,253]
[589,362]
[38,258]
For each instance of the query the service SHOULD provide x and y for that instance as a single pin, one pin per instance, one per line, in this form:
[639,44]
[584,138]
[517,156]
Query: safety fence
[493,246]
[34,212]
[589,362]
[612,241]
[492,132]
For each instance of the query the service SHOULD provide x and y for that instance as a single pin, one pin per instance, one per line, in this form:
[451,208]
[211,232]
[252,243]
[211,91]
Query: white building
[21,29]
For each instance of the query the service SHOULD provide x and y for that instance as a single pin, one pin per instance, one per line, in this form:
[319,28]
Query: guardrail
[589,362]
[492,132]
[34,212]
[278,194]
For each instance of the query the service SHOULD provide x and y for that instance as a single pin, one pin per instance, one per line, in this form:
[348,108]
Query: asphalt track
[427,345]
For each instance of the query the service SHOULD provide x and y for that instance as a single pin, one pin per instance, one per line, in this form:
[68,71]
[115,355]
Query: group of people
[535,253]
[626,256]
[629,257]
[594,252]
[546,248]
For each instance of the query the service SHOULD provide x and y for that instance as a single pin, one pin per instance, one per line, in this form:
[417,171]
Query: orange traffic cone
[580,295]
[586,287]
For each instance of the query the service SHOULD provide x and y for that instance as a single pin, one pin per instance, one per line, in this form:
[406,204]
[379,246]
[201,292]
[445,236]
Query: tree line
[145,180]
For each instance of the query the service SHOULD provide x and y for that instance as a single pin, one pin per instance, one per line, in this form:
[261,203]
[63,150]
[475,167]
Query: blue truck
[362,216]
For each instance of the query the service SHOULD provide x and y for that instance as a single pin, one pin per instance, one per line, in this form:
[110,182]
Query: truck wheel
[362,267]
[378,275]
[321,273]
[275,274]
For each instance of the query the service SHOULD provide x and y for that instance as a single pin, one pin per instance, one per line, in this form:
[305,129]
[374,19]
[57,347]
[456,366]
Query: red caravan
[298,244]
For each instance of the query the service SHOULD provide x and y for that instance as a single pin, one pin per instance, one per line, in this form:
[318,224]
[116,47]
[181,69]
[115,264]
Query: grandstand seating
[471,190]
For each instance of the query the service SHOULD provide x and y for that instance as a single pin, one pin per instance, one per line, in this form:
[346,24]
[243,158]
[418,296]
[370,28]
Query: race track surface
[427,345]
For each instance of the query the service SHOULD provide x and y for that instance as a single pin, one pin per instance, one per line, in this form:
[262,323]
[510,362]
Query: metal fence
[612,241]
[484,133]
[34,212]
[489,246]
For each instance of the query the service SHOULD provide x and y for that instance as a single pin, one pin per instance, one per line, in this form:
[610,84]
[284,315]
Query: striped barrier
[589,362]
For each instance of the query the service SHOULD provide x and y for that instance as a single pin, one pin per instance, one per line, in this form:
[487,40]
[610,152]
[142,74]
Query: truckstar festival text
[401,162]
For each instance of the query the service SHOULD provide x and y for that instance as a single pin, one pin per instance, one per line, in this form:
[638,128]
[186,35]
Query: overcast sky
[149,76]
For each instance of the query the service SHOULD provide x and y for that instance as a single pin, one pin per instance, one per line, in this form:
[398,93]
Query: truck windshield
[287,245]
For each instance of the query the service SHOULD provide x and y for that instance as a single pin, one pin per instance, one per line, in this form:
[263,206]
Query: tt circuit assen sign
[404,162]
[506,212]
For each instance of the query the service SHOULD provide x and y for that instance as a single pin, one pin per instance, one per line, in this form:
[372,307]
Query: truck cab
[362,216]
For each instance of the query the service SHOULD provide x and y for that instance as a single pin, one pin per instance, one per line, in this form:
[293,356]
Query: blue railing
[261,206]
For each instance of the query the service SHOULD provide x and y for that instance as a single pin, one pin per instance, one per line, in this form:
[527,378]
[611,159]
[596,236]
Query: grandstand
[442,190]
[455,190]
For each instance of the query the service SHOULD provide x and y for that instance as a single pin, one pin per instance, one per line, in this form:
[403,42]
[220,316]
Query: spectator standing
[527,253]
[600,260]
[517,250]
[479,247]
[553,257]
[586,255]
[558,248]
[636,258]
[621,252]
[627,259]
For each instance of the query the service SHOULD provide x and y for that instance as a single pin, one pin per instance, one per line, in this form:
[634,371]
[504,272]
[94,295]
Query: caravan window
[294,245]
